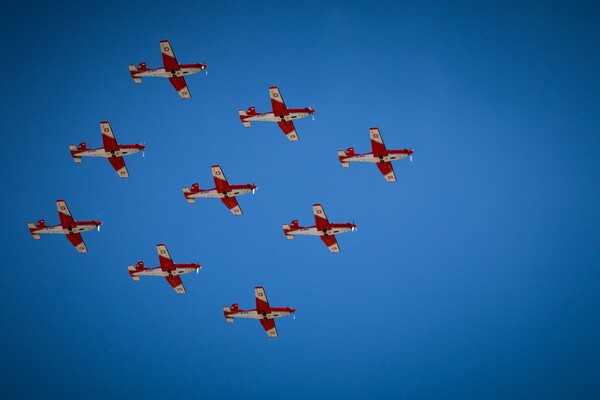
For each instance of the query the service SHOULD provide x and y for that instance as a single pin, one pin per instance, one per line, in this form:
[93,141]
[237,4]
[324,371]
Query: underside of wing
[66,220]
[377,144]
[221,183]
[269,327]
[289,129]
[77,241]
[279,108]
[387,170]
[175,282]
[232,204]
[166,263]
[119,165]
[320,218]
[181,86]
[169,60]
[331,243]
[262,304]
[108,137]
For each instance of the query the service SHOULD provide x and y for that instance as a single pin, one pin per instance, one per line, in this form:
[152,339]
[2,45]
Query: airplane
[68,226]
[111,150]
[323,228]
[263,312]
[223,190]
[171,69]
[380,155]
[167,269]
[280,114]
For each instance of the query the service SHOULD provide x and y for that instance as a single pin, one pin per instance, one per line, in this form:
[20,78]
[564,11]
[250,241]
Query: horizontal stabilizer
[132,268]
[227,310]
[31,227]
[187,191]
[342,156]
[242,115]
[73,149]
[286,229]
[133,69]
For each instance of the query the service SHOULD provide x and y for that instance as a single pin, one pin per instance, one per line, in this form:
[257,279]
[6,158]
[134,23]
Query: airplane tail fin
[138,267]
[226,311]
[31,229]
[242,115]
[342,156]
[286,230]
[187,192]
[133,70]
[73,150]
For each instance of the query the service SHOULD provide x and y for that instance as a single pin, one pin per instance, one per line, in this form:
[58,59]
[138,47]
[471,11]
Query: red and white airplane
[167,268]
[223,191]
[280,114]
[171,69]
[380,155]
[111,150]
[68,226]
[263,312]
[323,228]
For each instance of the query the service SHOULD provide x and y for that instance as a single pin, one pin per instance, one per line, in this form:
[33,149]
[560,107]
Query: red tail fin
[252,111]
[294,224]
[142,66]
[350,152]
[41,224]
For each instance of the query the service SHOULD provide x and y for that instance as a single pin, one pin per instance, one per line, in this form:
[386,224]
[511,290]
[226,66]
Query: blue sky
[473,276]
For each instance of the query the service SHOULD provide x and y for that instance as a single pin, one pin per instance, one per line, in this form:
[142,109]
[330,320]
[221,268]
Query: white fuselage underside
[160,72]
[371,158]
[60,230]
[107,154]
[160,272]
[220,195]
[270,117]
[256,315]
[314,232]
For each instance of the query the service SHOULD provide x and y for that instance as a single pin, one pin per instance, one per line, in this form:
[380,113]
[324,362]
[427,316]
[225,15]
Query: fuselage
[294,113]
[124,150]
[312,230]
[236,190]
[276,312]
[370,157]
[81,226]
[184,69]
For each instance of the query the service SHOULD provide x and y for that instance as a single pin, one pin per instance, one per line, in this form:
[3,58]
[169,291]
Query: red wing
[289,129]
[77,241]
[119,165]
[175,282]
[262,304]
[169,60]
[166,263]
[377,144]
[320,218]
[331,243]
[181,86]
[277,102]
[232,204]
[66,220]
[108,137]
[221,183]
[269,326]
[387,170]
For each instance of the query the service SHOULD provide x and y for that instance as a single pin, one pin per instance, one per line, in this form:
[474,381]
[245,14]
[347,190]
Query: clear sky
[475,275]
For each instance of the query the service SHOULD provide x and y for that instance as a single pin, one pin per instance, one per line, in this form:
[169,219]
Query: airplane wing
[220,181]
[387,170]
[232,204]
[181,86]
[331,243]
[171,65]
[277,103]
[77,241]
[269,326]
[320,218]
[119,165]
[289,129]
[377,143]
[66,220]
[175,282]
[108,137]
[164,258]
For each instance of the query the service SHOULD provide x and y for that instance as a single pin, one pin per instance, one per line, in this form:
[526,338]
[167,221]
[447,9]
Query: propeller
[256,187]
[144,149]
[313,114]
[410,157]
[354,227]
[205,67]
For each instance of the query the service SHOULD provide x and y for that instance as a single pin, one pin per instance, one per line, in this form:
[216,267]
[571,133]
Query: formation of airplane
[222,190]
[167,268]
[380,155]
[322,228]
[111,150]
[284,117]
[68,226]
[263,312]
[171,69]
[280,114]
